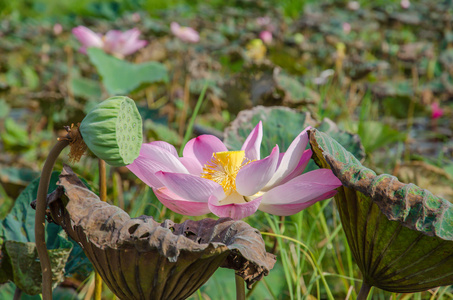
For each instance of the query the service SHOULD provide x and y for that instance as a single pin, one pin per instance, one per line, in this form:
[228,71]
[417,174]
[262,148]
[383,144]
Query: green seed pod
[113,131]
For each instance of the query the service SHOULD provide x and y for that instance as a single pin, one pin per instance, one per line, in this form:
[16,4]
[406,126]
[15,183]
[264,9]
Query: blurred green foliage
[376,91]
[109,9]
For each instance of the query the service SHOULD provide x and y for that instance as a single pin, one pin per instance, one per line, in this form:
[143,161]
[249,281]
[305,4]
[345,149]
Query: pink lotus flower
[115,42]
[266,36]
[436,111]
[186,34]
[209,178]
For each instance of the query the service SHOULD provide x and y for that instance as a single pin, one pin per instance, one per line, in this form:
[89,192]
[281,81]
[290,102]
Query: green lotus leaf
[4,109]
[400,235]
[121,77]
[353,142]
[5,265]
[7,291]
[26,269]
[113,131]
[280,126]
[86,88]
[19,260]
[294,91]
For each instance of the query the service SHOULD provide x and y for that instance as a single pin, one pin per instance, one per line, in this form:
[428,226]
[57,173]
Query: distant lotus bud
[436,111]
[136,17]
[256,50]
[266,36]
[346,27]
[186,34]
[405,4]
[57,29]
[113,131]
[353,5]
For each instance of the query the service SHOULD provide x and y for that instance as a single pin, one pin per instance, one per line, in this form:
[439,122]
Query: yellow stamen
[223,169]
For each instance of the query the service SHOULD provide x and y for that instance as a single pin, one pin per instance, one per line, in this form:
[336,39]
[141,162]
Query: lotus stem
[17,294]
[410,113]
[364,291]
[103,197]
[97,286]
[240,288]
[186,98]
[40,224]
[274,248]
[102,181]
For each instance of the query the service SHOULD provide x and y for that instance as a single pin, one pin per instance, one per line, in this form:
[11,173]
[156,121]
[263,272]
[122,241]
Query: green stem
[240,288]
[410,113]
[102,181]
[364,291]
[97,286]
[103,197]
[17,294]
[41,205]
[192,118]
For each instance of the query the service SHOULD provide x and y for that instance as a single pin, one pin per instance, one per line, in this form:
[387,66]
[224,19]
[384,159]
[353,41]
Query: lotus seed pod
[113,131]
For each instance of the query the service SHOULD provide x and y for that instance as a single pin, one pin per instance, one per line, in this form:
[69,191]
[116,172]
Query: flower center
[223,169]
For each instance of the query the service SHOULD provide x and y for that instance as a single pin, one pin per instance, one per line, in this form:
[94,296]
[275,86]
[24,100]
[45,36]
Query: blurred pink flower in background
[405,4]
[346,27]
[186,34]
[436,111]
[266,36]
[114,42]
[88,38]
[57,29]
[209,178]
